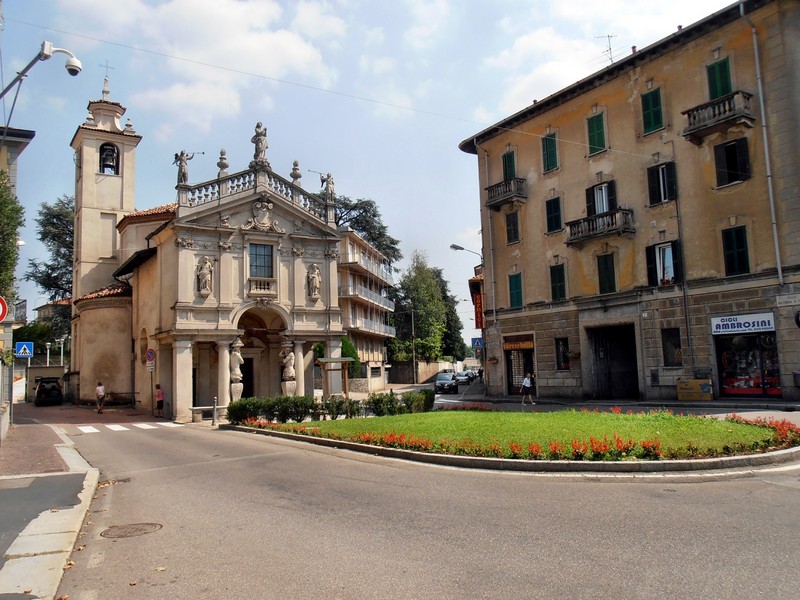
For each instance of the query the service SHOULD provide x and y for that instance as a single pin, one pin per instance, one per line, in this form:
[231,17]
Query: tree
[452,342]
[55,229]
[364,217]
[12,217]
[354,368]
[420,313]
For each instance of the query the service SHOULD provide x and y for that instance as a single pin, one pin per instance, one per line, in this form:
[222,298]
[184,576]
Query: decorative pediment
[262,218]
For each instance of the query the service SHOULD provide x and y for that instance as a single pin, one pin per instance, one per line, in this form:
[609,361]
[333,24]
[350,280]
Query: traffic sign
[150,356]
[477,342]
[3,309]
[23,350]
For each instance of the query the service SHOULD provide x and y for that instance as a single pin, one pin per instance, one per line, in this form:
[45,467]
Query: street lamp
[61,345]
[457,247]
[73,65]
[48,344]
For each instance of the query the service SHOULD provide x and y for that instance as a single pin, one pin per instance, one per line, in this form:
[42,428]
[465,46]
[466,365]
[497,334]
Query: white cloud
[211,48]
[430,16]
[376,66]
[313,21]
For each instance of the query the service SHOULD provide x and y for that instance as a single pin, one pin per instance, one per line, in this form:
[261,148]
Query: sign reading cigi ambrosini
[742,324]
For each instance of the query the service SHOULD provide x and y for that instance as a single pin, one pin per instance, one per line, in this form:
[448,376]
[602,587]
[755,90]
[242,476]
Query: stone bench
[197,413]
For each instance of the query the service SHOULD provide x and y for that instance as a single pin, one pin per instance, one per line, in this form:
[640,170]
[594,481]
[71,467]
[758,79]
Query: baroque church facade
[224,293]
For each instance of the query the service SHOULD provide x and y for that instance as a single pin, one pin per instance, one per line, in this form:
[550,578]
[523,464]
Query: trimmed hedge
[383,404]
[280,408]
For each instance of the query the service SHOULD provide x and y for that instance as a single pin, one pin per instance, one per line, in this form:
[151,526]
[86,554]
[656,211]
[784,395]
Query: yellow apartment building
[365,277]
[641,227]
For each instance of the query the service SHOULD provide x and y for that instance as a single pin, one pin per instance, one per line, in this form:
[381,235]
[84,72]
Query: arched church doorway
[262,332]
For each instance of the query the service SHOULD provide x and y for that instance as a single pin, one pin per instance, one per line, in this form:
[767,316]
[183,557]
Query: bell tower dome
[105,169]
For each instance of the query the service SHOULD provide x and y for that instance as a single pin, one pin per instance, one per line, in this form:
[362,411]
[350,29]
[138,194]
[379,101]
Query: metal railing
[361,292]
[619,220]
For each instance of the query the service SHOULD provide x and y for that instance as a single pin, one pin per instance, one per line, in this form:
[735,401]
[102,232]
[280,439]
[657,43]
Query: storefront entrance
[747,355]
[519,356]
[748,365]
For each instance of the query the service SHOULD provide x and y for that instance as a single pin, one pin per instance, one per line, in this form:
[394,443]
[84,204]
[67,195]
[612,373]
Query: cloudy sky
[377,92]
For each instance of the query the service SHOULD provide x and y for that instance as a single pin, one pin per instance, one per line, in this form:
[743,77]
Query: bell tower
[105,168]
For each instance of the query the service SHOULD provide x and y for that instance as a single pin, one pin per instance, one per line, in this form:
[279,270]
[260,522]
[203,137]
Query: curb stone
[539,466]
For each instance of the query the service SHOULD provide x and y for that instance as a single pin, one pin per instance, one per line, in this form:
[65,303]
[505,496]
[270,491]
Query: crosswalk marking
[117,427]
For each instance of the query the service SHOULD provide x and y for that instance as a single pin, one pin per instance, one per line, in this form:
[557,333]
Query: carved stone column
[223,374]
[182,377]
[300,368]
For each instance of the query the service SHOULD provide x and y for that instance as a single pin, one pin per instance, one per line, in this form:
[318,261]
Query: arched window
[109,159]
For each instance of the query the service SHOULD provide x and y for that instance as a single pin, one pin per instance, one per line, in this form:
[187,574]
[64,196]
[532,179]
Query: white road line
[170,424]
[144,426]
[88,429]
[117,428]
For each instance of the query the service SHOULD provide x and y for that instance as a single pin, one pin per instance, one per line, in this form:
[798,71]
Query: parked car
[471,374]
[48,391]
[444,383]
[463,378]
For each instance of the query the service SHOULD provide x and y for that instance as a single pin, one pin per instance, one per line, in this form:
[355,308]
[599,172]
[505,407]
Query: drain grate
[132,530]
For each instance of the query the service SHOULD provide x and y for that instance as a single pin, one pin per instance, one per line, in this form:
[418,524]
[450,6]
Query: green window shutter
[651,111]
[734,247]
[558,284]
[509,166]
[719,79]
[605,271]
[597,134]
[515,290]
[549,156]
[512,227]
[652,271]
[553,208]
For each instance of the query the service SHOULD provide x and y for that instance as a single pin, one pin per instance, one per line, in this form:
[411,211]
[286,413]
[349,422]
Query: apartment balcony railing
[617,221]
[505,192]
[718,115]
[359,291]
[366,265]
[367,326]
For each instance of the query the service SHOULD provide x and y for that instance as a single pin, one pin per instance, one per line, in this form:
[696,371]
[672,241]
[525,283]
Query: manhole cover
[132,530]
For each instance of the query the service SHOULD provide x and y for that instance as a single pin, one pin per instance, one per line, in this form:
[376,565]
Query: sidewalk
[46,487]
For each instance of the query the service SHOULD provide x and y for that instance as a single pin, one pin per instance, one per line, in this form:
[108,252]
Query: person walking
[100,396]
[159,400]
[526,389]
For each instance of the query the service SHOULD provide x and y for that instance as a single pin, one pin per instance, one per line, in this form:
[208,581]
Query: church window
[261,260]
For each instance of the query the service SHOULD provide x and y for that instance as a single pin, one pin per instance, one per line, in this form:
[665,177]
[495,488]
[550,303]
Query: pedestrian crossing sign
[23,350]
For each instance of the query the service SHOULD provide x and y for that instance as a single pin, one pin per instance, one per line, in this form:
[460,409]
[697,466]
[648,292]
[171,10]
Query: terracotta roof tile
[114,290]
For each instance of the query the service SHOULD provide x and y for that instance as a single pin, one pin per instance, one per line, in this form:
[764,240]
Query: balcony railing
[505,192]
[371,266]
[359,291]
[367,326]
[617,221]
[262,287]
[718,115]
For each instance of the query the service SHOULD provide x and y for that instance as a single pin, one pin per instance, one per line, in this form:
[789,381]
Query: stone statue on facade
[327,182]
[182,160]
[236,362]
[288,383]
[259,140]
[313,279]
[205,274]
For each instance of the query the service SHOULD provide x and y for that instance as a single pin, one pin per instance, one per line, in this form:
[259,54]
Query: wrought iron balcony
[718,115]
[505,192]
[613,222]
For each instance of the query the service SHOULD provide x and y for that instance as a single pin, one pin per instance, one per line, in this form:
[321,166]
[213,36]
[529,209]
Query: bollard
[214,414]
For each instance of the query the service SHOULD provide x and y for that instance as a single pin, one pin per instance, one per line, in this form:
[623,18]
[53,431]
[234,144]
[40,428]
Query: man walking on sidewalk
[526,388]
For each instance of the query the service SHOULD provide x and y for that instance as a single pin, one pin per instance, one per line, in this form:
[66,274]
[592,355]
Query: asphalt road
[245,516]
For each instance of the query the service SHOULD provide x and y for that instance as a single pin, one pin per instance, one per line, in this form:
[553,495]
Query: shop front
[747,355]
[519,353]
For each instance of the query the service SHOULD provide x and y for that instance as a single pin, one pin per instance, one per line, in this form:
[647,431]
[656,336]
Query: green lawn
[565,435]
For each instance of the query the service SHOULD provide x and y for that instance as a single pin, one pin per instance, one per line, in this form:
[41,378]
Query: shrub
[334,406]
[384,404]
[301,407]
[419,401]
[246,408]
